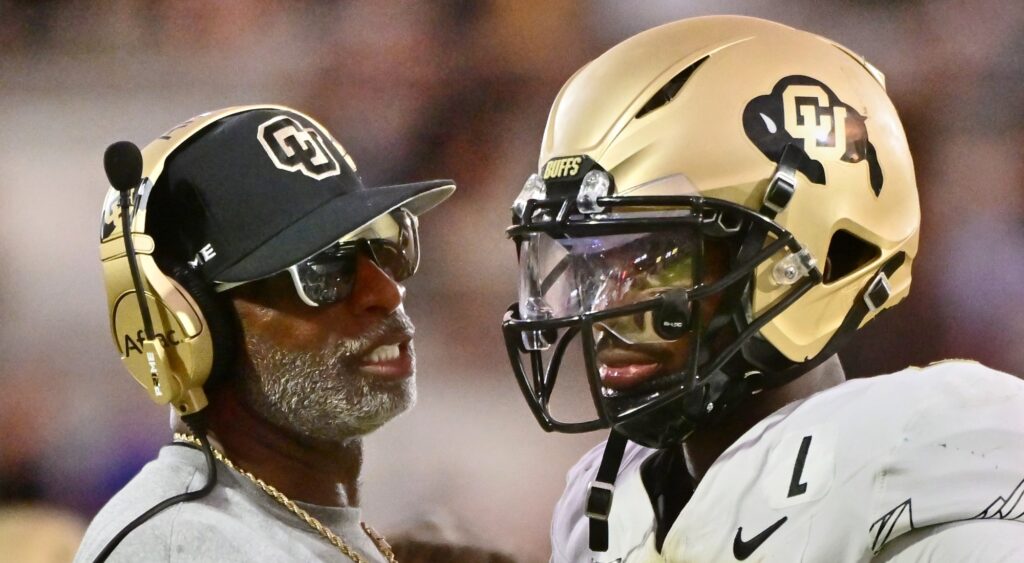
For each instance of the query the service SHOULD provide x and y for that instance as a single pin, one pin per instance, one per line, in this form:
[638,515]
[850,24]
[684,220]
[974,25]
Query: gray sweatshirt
[236,522]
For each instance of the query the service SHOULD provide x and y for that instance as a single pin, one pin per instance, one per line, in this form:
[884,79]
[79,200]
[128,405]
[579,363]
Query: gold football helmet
[721,202]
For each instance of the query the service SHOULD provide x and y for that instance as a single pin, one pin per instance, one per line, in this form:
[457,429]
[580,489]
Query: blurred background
[421,90]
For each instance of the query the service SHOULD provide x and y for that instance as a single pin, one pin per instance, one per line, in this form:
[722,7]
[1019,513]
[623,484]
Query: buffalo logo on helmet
[806,113]
[295,148]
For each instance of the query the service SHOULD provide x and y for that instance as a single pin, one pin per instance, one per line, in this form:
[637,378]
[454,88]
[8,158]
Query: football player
[722,202]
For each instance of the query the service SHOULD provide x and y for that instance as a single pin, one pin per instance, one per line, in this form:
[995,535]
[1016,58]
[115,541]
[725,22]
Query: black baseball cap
[259,191]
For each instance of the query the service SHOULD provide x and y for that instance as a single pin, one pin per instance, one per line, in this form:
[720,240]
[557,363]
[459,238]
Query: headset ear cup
[220,320]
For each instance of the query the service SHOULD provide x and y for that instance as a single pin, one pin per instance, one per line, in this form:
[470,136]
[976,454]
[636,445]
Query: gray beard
[322,395]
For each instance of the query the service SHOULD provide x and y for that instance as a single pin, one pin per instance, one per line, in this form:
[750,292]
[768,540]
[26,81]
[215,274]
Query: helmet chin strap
[602,490]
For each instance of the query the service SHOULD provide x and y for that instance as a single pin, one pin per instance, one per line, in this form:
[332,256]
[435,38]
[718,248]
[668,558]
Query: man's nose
[374,289]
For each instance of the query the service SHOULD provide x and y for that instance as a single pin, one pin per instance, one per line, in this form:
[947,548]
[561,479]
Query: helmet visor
[567,277]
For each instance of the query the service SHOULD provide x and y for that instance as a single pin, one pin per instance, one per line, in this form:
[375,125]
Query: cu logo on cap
[296,149]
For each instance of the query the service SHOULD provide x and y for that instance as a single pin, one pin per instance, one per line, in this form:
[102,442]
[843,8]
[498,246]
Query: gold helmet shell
[682,100]
[778,148]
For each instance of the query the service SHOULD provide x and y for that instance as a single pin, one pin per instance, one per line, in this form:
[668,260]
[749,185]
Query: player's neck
[323,474]
[705,446]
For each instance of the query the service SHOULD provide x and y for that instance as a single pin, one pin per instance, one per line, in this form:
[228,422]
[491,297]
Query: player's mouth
[634,367]
[389,358]
[623,366]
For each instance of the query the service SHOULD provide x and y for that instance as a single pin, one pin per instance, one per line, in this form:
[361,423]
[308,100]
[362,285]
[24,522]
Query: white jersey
[835,477]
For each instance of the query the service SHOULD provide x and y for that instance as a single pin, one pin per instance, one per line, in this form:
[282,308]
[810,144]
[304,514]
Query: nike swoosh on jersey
[742,549]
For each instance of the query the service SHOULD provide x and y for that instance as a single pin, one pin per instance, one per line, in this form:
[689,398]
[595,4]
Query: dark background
[425,90]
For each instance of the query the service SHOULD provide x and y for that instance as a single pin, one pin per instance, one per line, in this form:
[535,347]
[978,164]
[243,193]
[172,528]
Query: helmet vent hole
[846,254]
[669,90]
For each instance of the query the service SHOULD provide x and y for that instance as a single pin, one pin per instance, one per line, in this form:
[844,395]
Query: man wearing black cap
[263,207]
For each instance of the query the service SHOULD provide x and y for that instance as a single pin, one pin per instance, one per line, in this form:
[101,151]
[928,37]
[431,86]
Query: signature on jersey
[1009,507]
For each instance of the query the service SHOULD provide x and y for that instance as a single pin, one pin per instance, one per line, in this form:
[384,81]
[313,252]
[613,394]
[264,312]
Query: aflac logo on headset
[297,149]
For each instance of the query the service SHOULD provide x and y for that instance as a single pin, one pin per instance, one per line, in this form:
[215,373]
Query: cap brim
[335,219]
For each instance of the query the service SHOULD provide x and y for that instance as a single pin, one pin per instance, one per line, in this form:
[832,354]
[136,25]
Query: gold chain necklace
[295,509]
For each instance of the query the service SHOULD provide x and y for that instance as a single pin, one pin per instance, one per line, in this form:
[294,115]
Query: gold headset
[172,357]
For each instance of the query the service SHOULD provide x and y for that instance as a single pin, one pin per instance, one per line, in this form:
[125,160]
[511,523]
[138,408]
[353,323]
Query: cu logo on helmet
[804,112]
[294,148]
[810,116]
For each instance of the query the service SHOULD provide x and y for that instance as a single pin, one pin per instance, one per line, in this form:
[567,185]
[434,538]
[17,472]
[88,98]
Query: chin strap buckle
[878,292]
[782,184]
[599,500]
[780,191]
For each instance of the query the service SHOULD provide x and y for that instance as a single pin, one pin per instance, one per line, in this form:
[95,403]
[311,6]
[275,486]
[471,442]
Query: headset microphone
[122,162]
